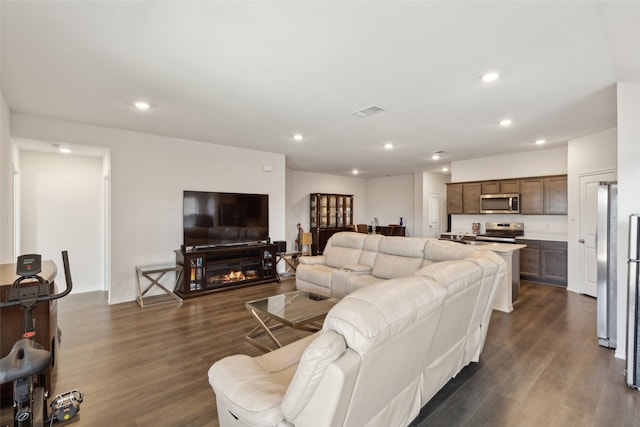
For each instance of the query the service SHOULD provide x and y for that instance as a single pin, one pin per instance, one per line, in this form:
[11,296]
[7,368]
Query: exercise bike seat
[26,358]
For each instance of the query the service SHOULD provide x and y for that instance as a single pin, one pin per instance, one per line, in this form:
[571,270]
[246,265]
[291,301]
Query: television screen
[212,218]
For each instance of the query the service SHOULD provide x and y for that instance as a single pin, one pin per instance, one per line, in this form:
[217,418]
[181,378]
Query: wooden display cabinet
[329,214]
[214,269]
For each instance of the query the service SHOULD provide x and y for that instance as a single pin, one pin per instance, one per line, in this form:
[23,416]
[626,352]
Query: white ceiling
[251,74]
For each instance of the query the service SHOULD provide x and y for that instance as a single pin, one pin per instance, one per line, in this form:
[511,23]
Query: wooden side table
[160,269]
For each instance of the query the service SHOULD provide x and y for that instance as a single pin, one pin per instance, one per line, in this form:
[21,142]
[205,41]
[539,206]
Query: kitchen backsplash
[552,227]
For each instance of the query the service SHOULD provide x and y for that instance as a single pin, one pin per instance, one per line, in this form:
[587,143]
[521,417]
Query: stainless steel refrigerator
[606,244]
[633,316]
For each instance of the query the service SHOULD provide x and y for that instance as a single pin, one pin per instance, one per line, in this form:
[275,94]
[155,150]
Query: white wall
[62,210]
[532,163]
[301,184]
[149,174]
[552,161]
[628,105]
[8,160]
[589,154]
[388,199]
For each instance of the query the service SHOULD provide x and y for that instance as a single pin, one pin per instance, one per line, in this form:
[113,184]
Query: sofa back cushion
[398,257]
[344,248]
[442,250]
[369,316]
[370,249]
[391,326]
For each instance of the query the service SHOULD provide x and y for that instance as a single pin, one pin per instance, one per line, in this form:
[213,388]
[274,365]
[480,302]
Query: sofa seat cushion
[368,317]
[353,282]
[253,388]
[318,274]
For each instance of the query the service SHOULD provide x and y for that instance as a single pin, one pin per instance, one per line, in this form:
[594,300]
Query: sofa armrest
[234,379]
[311,260]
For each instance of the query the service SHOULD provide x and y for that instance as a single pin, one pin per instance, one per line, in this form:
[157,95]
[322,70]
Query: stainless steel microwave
[500,203]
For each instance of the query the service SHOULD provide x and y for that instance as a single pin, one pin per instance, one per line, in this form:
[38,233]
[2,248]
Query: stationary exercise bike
[27,362]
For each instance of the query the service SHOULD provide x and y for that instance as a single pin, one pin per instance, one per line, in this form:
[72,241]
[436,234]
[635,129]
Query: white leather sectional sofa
[385,349]
[353,260]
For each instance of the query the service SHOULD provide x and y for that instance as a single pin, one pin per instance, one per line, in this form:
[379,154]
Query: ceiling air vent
[369,111]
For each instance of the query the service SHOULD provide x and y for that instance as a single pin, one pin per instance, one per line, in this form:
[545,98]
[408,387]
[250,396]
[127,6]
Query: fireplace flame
[234,276]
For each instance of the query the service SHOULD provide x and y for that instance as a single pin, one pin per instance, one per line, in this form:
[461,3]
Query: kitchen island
[506,294]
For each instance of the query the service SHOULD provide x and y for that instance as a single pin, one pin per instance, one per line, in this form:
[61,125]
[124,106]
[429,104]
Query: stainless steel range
[502,232]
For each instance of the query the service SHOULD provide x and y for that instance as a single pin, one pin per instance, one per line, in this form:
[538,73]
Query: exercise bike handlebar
[48,297]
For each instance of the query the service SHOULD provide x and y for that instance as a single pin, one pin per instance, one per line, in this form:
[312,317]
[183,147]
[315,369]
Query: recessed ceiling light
[141,105]
[505,122]
[388,146]
[65,150]
[355,171]
[435,156]
[445,169]
[298,137]
[490,77]
[540,141]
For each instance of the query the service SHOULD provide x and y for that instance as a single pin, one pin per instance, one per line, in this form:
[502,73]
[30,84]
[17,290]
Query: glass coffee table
[299,310]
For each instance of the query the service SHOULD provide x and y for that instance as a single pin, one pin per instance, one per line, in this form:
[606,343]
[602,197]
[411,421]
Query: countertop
[554,237]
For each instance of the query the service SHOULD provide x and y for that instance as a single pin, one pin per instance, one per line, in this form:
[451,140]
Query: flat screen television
[215,219]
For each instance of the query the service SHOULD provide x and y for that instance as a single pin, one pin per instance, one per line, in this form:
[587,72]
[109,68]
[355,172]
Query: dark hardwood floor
[541,365]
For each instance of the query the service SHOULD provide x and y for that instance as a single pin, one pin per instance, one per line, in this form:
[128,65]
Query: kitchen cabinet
[553,262]
[509,186]
[544,261]
[532,196]
[529,259]
[543,195]
[471,197]
[555,195]
[454,198]
[463,198]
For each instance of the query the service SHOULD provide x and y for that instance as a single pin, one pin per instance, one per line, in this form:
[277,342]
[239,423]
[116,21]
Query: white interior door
[587,223]
[435,211]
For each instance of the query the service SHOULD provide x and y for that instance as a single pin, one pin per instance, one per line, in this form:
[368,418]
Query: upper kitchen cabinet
[532,196]
[555,195]
[544,195]
[509,186]
[463,198]
[471,197]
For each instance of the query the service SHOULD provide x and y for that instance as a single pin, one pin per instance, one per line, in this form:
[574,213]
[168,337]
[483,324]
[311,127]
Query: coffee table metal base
[265,329]
[298,310]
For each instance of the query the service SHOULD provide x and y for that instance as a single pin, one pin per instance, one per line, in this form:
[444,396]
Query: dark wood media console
[225,267]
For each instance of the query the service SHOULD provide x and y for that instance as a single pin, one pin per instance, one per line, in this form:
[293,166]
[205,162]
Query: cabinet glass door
[314,211]
[323,211]
[332,211]
[340,211]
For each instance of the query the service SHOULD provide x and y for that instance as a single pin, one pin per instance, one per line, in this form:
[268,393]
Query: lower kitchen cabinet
[544,261]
